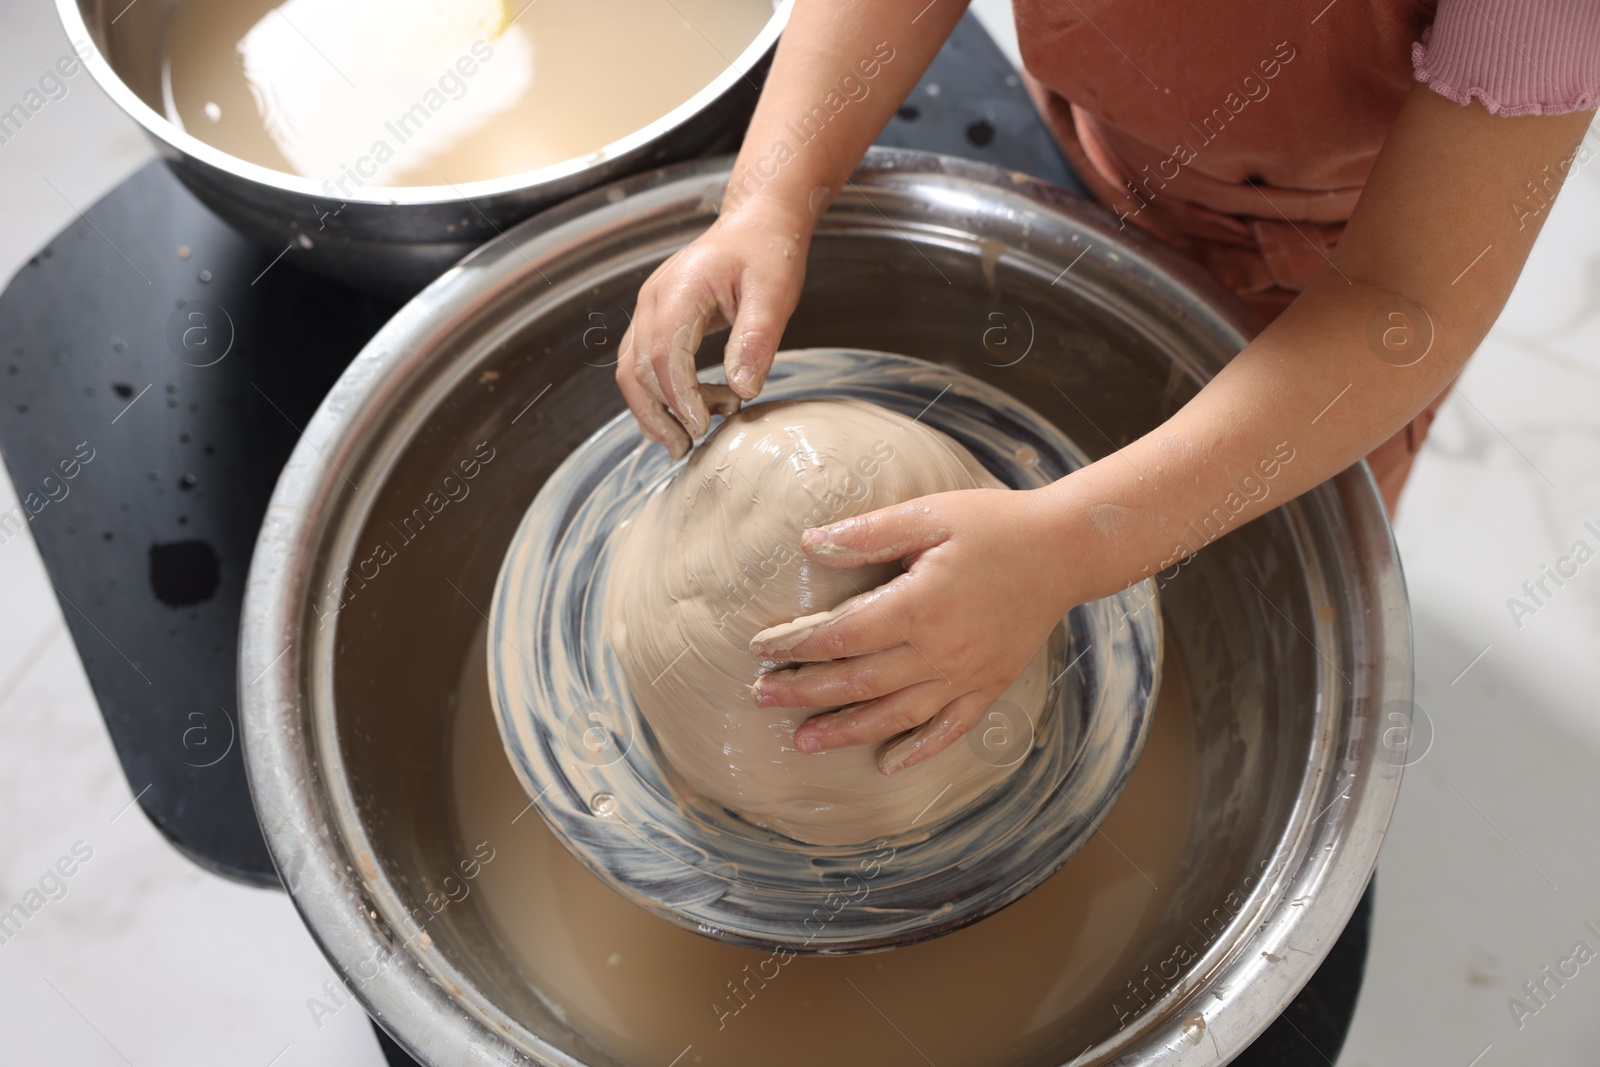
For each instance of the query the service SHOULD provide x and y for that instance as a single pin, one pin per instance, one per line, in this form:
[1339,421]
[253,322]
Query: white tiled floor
[1489,874]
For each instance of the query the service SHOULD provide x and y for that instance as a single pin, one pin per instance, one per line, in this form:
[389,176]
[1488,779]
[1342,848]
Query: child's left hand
[928,652]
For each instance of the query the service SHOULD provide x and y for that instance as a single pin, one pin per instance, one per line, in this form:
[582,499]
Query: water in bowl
[1033,984]
[422,92]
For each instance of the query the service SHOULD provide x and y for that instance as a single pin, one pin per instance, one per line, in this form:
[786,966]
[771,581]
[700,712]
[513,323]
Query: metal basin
[390,240]
[1293,631]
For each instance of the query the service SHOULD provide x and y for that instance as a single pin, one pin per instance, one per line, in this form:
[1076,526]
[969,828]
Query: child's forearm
[1426,264]
[1301,403]
[841,70]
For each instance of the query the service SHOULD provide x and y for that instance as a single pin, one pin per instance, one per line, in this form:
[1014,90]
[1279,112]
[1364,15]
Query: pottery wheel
[592,769]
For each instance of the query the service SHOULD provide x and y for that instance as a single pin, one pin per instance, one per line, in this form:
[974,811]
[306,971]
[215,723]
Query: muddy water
[408,92]
[1031,984]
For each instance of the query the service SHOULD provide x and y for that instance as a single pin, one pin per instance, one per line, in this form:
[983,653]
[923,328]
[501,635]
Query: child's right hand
[746,270]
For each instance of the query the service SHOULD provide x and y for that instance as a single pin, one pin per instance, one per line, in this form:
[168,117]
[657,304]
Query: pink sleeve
[1520,57]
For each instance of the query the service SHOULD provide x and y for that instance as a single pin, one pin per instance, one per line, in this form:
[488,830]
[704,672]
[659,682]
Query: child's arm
[1434,247]
[841,69]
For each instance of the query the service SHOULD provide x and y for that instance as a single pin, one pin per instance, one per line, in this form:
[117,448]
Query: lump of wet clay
[714,557]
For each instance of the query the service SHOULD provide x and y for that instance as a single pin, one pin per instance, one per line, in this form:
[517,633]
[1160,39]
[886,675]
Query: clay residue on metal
[714,558]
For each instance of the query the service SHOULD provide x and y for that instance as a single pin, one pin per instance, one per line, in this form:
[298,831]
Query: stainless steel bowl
[1293,631]
[389,240]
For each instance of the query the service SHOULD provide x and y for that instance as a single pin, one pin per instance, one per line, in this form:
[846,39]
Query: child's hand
[929,651]
[746,270]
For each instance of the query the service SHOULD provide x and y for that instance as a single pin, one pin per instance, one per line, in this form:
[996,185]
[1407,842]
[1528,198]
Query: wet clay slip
[714,559]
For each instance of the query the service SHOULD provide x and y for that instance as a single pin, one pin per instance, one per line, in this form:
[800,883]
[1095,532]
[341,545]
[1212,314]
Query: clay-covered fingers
[837,682]
[677,321]
[720,399]
[878,536]
[745,272]
[858,626]
[677,306]
[935,735]
[764,308]
[655,421]
[874,721]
